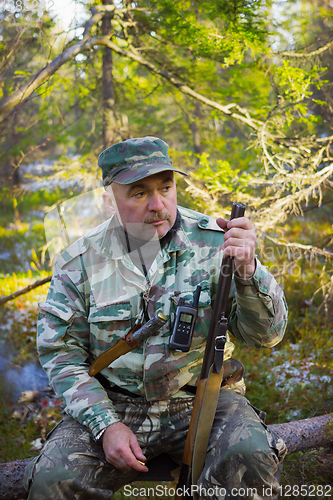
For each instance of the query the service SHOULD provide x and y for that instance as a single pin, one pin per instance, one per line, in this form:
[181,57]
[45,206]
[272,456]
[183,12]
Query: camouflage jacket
[97,294]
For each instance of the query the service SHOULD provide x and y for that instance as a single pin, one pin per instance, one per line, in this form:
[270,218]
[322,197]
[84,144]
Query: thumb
[222,223]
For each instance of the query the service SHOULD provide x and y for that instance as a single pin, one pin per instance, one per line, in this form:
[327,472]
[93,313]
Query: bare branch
[7,298]
[316,52]
[299,246]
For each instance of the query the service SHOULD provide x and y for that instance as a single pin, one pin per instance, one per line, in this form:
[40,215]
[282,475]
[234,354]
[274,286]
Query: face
[146,208]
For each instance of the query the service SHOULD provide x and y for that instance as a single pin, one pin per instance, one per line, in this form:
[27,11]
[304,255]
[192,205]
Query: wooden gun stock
[211,375]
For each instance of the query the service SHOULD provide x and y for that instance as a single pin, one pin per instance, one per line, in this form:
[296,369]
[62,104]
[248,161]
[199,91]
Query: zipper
[145,291]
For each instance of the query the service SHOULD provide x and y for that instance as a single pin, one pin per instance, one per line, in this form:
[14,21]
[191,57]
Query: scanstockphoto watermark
[162,490]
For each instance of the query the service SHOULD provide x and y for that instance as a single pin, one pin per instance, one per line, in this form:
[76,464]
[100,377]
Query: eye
[139,194]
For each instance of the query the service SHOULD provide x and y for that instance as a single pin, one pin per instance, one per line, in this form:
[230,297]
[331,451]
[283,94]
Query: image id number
[306,490]
[33,6]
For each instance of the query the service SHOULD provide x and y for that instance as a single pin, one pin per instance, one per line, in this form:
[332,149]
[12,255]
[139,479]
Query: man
[147,258]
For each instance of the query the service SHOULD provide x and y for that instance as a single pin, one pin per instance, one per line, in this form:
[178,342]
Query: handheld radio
[186,315]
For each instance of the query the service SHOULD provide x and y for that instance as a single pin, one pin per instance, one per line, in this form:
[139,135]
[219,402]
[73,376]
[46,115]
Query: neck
[171,233]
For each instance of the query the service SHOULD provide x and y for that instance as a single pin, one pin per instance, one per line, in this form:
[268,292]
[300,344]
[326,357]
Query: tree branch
[316,52]
[300,246]
[7,298]
[242,115]
[20,96]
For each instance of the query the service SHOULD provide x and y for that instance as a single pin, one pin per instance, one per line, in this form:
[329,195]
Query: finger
[133,463]
[240,253]
[136,450]
[238,233]
[222,223]
[242,222]
[235,242]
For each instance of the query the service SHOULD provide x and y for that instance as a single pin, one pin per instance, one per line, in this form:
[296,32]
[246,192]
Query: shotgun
[209,384]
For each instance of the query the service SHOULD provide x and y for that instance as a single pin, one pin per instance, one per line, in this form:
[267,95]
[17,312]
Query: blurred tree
[133,28]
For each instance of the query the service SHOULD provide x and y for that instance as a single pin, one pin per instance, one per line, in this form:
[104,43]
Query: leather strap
[205,422]
[121,347]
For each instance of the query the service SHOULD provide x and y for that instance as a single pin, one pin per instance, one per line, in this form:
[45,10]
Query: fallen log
[300,435]
[11,480]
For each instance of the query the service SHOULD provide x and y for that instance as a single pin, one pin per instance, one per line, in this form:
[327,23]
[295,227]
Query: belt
[120,390]
[114,388]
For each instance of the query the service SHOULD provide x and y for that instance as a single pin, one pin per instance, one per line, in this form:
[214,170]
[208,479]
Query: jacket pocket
[120,311]
[107,324]
[61,311]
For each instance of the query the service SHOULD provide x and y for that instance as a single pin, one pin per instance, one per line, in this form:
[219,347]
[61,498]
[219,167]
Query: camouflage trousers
[242,456]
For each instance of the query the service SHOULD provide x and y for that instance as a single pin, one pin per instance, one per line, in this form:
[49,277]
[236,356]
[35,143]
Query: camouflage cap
[134,159]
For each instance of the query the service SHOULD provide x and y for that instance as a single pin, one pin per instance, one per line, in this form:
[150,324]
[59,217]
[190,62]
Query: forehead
[145,183]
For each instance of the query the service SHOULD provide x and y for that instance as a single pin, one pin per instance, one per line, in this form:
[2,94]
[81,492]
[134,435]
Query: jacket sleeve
[259,310]
[63,347]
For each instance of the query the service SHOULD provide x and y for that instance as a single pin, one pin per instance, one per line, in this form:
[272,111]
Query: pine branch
[241,115]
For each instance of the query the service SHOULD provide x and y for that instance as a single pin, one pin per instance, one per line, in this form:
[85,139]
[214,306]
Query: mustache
[156,217]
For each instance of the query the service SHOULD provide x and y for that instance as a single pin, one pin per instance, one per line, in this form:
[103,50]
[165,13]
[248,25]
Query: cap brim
[130,176]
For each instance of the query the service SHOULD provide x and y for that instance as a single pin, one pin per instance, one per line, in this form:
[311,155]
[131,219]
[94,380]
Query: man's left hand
[240,243]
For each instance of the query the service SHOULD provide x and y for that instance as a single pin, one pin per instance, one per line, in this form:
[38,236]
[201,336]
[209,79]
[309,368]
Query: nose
[155,202]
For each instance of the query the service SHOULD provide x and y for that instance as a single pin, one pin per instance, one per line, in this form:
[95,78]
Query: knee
[243,468]
[44,481]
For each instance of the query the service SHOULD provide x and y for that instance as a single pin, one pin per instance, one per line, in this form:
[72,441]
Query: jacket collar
[112,247]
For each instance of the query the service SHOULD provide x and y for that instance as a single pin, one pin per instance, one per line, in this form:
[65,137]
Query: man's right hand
[122,449]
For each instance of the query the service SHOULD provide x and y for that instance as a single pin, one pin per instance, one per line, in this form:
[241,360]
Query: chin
[162,231]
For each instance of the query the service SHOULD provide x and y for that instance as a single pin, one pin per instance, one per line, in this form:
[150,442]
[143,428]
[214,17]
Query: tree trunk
[109,121]
[197,146]
[11,480]
[300,435]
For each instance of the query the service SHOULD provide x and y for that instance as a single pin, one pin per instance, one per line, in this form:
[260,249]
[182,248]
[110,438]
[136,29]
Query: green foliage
[297,86]
[221,179]
[222,29]
[15,439]
[285,381]
[313,470]
[22,235]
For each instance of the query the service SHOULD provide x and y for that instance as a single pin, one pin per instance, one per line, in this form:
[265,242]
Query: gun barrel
[208,378]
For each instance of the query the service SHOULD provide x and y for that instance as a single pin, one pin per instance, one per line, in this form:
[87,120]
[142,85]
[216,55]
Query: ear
[108,200]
